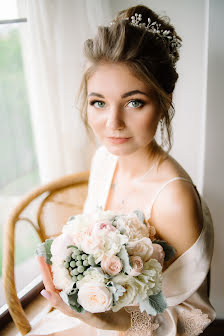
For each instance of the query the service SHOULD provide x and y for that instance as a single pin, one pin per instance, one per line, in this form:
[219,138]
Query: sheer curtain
[52,43]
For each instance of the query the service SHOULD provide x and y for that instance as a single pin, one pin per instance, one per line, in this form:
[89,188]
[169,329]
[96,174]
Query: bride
[126,94]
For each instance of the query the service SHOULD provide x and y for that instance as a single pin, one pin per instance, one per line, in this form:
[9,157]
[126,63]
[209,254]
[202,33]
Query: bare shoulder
[177,213]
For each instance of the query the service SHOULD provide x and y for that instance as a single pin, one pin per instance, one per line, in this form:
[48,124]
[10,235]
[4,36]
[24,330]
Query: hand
[107,320]
[51,293]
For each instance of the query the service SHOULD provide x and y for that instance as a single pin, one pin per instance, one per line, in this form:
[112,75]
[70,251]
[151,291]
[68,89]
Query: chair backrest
[54,203]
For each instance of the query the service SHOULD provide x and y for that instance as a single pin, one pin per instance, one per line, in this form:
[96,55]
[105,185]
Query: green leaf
[158,302]
[73,301]
[168,249]
[144,305]
[140,215]
[116,289]
[153,305]
[44,250]
[72,246]
[123,255]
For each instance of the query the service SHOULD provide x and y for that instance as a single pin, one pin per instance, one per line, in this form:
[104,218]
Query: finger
[46,274]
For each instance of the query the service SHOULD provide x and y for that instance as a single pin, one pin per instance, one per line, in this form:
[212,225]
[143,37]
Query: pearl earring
[162,132]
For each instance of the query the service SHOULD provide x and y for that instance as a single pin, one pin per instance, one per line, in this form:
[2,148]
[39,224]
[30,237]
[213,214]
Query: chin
[120,150]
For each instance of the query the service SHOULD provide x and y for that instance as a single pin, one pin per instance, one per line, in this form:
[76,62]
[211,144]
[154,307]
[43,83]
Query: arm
[108,320]
[177,216]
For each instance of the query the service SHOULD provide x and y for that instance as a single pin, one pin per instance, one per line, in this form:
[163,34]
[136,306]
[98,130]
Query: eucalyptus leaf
[116,289]
[153,305]
[158,302]
[169,250]
[123,255]
[73,301]
[144,305]
[44,250]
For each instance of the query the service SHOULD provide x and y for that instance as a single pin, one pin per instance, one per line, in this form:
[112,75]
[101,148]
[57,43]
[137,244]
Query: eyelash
[130,101]
[137,101]
[95,101]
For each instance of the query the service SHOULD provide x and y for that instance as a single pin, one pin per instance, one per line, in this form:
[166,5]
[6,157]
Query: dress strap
[163,186]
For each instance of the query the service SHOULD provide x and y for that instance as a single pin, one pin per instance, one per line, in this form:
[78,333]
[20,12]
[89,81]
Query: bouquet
[106,261]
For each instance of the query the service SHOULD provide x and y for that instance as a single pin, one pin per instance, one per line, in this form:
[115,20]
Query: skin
[108,320]
[121,105]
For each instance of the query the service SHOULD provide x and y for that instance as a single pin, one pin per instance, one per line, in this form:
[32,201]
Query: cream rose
[132,226]
[95,297]
[111,265]
[142,248]
[136,264]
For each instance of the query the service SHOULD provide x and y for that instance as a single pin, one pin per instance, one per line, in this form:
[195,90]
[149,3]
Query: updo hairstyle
[151,58]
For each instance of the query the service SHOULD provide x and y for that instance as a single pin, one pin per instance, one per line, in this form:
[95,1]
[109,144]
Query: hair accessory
[154,27]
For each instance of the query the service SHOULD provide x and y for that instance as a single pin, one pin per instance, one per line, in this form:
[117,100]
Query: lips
[119,137]
[118,140]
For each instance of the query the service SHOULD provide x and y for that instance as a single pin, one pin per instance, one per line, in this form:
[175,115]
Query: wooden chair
[56,201]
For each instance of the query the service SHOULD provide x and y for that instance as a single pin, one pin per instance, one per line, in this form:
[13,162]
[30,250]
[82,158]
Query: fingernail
[45,294]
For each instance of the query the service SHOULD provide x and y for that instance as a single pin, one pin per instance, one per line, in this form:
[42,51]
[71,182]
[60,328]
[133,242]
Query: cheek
[146,127]
[95,120]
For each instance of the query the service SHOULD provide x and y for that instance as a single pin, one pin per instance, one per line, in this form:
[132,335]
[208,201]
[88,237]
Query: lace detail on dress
[141,323]
[193,322]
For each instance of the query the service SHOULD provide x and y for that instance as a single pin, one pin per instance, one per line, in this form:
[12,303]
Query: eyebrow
[125,95]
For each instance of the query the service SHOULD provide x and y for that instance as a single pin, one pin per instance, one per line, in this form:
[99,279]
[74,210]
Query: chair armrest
[14,305]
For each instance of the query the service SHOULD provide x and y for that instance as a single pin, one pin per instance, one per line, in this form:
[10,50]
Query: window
[18,168]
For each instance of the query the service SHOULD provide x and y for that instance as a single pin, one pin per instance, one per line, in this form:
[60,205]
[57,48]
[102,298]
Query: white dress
[189,311]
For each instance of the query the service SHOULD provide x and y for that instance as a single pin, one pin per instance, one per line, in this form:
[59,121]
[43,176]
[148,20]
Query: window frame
[26,295]
[30,291]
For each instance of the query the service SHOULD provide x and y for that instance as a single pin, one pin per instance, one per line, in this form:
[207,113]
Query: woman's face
[121,106]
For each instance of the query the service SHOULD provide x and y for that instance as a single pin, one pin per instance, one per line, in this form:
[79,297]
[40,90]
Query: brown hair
[150,57]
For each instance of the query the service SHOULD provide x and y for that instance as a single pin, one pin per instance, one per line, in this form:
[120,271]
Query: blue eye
[97,103]
[135,103]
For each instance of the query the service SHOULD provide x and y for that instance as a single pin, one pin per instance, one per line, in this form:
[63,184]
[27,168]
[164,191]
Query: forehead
[115,77]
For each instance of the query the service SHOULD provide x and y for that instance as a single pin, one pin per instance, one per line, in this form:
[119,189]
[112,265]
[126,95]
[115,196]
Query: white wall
[214,140]
[199,121]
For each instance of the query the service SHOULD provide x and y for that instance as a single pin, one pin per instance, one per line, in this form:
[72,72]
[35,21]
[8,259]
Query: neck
[136,164]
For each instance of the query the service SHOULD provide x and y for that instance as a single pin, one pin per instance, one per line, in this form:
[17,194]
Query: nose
[115,120]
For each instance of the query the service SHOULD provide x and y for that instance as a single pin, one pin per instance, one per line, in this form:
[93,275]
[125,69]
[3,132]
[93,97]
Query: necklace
[114,185]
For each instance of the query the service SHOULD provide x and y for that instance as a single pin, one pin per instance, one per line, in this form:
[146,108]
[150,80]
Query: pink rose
[158,253]
[111,265]
[136,264]
[103,226]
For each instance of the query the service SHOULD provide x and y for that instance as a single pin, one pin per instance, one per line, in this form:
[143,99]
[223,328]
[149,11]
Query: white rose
[142,248]
[61,278]
[111,244]
[59,248]
[95,297]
